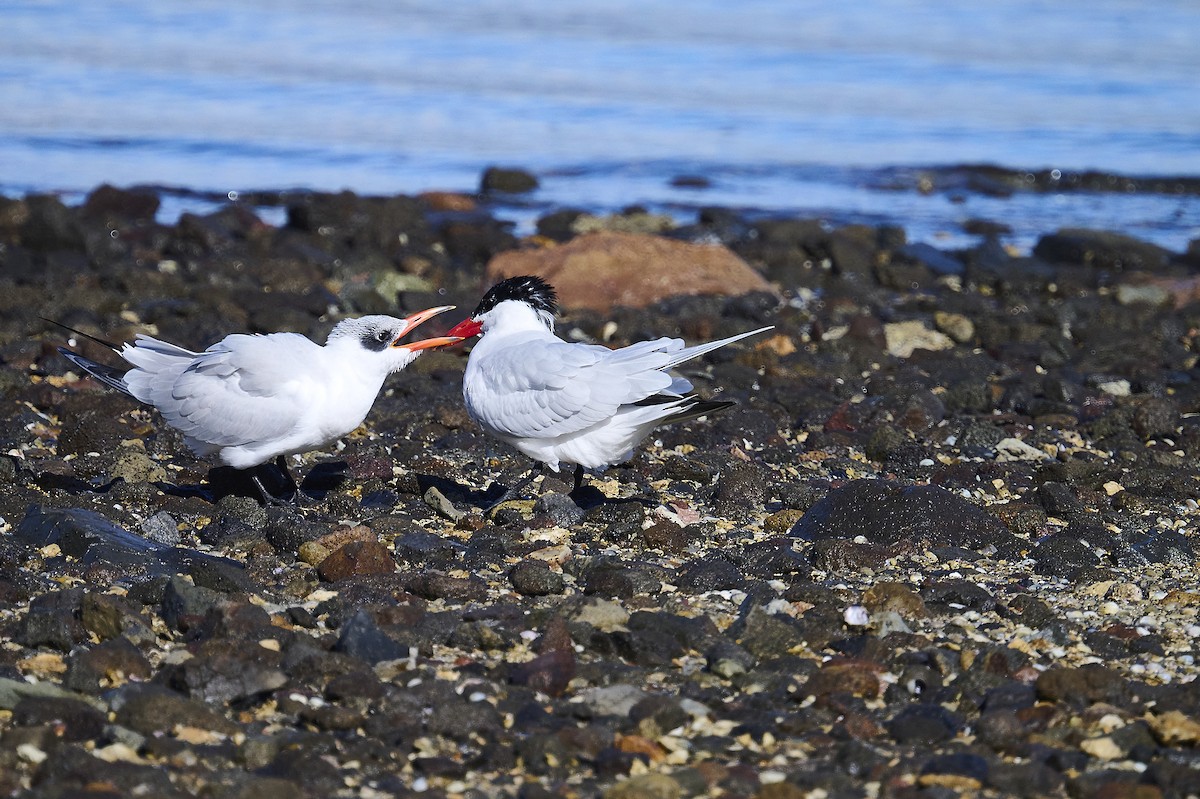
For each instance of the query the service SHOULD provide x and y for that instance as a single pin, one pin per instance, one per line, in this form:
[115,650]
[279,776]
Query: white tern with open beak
[562,402]
[251,398]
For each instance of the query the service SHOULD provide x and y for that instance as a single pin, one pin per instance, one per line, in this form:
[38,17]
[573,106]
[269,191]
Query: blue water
[786,107]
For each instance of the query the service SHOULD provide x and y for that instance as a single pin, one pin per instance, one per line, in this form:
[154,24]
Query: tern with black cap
[562,402]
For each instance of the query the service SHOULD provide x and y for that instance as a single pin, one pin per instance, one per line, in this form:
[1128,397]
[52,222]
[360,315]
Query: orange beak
[416,319]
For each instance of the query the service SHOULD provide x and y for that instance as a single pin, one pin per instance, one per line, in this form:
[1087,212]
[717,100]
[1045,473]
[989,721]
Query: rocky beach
[944,545]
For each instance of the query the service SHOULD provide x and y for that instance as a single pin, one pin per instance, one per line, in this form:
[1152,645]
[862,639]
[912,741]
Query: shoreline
[947,206]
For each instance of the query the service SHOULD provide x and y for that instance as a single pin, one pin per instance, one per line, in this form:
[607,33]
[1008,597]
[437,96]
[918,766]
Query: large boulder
[606,269]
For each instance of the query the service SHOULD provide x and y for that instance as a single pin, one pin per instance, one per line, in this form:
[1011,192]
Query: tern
[251,398]
[561,402]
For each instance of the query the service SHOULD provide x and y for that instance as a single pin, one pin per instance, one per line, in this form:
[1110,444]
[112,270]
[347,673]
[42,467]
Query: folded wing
[551,388]
[238,391]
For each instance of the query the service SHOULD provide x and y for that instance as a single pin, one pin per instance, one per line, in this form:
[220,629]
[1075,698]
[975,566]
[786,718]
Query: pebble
[535,578]
[903,338]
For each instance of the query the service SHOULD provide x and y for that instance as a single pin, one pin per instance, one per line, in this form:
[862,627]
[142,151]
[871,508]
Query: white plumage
[250,398]
[560,402]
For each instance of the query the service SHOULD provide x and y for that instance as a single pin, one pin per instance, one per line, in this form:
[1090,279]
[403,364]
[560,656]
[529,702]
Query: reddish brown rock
[856,677]
[605,269]
[448,201]
[344,534]
[888,595]
[356,558]
[549,672]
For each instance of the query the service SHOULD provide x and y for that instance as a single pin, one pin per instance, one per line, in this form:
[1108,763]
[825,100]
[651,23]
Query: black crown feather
[525,288]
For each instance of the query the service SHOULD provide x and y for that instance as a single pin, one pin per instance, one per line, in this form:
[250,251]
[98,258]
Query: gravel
[944,545]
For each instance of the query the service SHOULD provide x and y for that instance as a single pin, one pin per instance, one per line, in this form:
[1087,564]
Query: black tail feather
[109,376]
[697,409]
[70,329]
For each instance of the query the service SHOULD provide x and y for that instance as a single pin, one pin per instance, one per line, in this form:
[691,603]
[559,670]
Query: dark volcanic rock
[151,709]
[1083,686]
[184,605]
[74,719]
[50,226]
[1101,249]
[1064,554]
[362,638]
[924,724]
[741,487]
[96,669]
[534,578]
[228,671]
[888,514]
[115,207]
[420,548]
[507,180]
[709,574]
[93,539]
[614,578]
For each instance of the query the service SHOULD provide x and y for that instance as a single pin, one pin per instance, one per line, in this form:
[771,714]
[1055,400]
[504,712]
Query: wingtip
[113,378]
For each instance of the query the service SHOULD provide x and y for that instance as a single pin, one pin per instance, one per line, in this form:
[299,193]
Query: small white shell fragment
[856,616]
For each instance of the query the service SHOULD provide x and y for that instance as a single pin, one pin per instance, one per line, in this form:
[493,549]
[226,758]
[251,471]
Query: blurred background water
[803,108]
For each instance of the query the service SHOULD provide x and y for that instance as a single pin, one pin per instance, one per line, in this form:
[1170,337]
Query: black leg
[282,465]
[578,478]
[519,486]
[267,497]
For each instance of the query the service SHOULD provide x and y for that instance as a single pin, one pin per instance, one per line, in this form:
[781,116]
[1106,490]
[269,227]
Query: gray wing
[552,388]
[238,391]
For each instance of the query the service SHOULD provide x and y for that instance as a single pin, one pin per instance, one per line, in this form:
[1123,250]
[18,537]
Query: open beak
[465,329]
[416,319]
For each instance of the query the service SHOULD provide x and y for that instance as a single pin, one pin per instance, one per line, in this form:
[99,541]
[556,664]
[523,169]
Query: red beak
[465,329]
[411,322]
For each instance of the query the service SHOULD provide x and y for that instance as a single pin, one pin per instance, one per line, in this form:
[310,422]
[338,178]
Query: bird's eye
[382,335]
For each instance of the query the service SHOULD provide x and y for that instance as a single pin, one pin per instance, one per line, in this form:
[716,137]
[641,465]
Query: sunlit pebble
[477,696]
[1193,630]
[926,462]
[530,635]
[30,753]
[778,605]
[420,785]
[856,616]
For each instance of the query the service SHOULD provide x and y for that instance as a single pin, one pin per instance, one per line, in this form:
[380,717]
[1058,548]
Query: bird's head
[382,335]
[518,298]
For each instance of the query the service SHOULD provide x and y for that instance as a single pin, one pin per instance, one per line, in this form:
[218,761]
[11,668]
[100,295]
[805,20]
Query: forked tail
[109,376]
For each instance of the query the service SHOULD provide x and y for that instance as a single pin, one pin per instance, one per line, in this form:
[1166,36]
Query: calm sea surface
[793,107]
